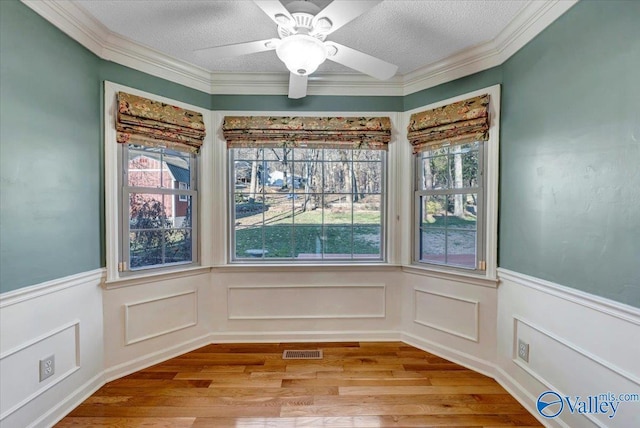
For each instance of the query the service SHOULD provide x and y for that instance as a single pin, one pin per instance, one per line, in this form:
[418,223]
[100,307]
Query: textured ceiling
[410,34]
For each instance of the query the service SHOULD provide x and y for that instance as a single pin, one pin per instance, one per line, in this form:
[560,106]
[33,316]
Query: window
[182,186]
[449,201]
[456,152]
[307,204]
[159,218]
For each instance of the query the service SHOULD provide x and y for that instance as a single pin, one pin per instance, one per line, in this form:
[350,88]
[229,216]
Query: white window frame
[300,261]
[182,186]
[114,205]
[491,169]
[223,254]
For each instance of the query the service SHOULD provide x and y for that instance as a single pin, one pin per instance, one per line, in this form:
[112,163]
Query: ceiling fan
[303,28]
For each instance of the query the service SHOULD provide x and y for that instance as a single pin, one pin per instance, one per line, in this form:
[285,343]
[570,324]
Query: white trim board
[588,300]
[31,292]
[86,30]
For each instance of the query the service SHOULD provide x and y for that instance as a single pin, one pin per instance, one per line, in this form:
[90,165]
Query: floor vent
[315,354]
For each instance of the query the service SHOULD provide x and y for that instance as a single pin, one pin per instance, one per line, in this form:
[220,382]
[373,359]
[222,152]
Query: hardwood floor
[356,384]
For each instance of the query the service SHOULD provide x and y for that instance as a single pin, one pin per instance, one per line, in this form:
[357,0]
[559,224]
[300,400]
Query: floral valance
[326,132]
[152,123]
[456,123]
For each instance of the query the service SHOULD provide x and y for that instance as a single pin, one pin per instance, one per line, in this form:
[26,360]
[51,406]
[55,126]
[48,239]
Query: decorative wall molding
[470,332]
[580,355]
[305,336]
[27,293]
[514,377]
[86,30]
[524,397]
[472,362]
[588,300]
[61,317]
[72,331]
[306,301]
[450,276]
[147,360]
[70,402]
[156,320]
[563,341]
[570,333]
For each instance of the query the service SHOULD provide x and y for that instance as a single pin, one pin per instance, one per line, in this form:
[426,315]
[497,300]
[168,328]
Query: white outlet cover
[523,350]
[47,367]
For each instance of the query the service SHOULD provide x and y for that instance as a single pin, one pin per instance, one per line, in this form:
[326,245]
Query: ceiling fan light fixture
[302,54]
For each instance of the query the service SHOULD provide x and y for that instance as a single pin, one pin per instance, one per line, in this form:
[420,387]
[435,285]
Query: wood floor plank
[108,422]
[412,390]
[218,392]
[397,409]
[382,384]
[174,412]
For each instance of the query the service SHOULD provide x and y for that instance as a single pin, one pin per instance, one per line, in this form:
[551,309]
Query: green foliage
[152,240]
[307,239]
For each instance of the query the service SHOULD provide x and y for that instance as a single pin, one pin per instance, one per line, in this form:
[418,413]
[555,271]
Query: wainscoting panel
[579,373]
[301,301]
[159,316]
[579,345]
[62,318]
[435,310]
[153,319]
[20,366]
[451,316]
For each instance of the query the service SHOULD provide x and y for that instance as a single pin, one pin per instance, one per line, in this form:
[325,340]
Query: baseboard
[124,369]
[55,414]
[305,336]
[466,360]
[518,392]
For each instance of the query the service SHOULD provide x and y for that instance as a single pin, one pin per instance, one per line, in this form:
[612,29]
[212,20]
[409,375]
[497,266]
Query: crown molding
[93,35]
[325,84]
[530,21]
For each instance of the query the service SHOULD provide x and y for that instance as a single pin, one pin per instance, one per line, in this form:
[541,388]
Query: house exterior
[145,171]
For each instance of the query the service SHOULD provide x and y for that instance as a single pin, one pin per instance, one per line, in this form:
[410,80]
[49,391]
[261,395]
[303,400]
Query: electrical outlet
[47,367]
[523,350]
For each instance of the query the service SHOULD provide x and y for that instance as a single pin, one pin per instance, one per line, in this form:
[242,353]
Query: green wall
[569,147]
[49,150]
[570,153]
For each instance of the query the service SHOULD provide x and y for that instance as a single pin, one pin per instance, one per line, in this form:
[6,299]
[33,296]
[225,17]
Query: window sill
[306,267]
[145,278]
[467,278]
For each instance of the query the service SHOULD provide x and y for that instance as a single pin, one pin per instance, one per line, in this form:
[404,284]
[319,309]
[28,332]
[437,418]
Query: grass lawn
[282,229]
[309,239]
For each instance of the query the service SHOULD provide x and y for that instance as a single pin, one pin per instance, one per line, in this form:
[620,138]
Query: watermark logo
[550,404]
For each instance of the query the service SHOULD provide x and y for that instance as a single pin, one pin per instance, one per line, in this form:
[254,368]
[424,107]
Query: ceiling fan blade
[341,12]
[238,49]
[362,62]
[277,12]
[297,86]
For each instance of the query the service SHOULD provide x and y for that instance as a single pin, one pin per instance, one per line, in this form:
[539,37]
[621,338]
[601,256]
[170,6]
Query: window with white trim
[151,182]
[159,219]
[307,204]
[307,189]
[455,192]
[449,202]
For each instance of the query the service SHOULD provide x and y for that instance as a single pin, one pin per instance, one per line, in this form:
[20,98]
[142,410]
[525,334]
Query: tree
[285,163]
[148,221]
[309,175]
[253,183]
[458,206]
[154,239]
